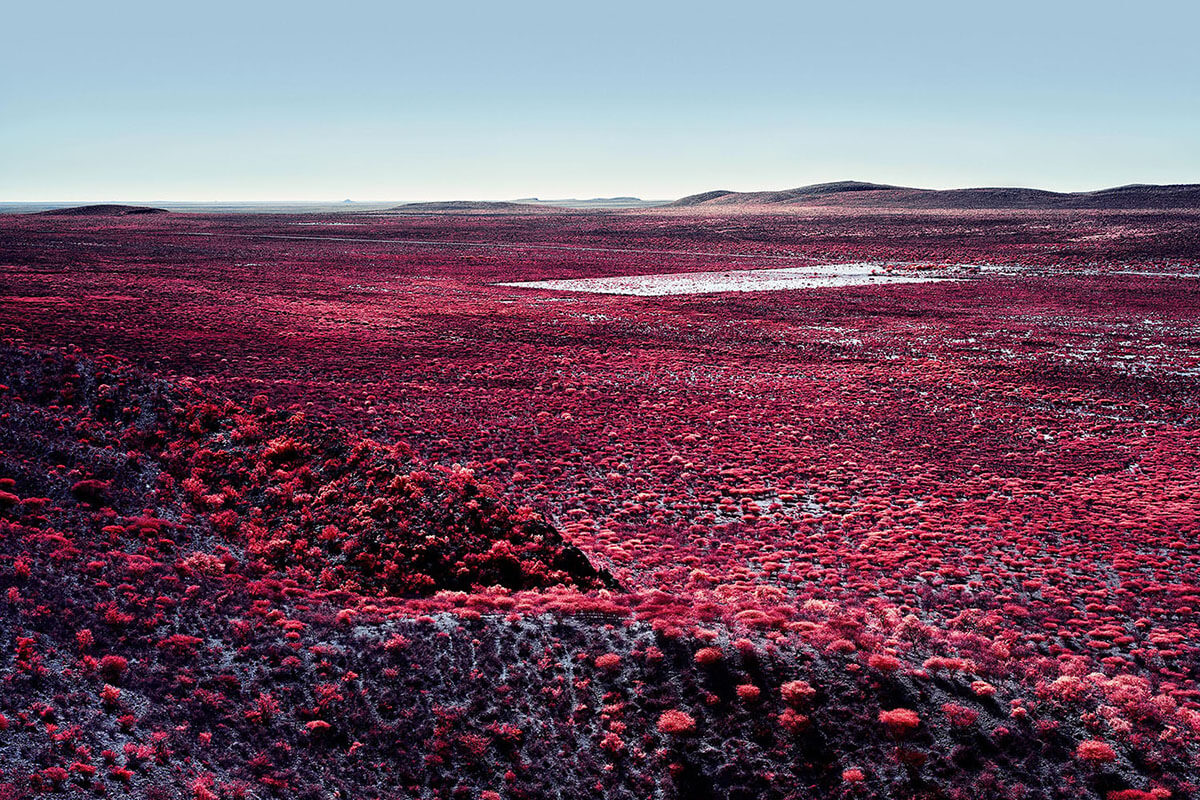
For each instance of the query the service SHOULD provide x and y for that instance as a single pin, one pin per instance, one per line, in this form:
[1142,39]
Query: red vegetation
[749,692]
[797,693]
[960,716]
[1095,751]
[608,661]
[677,723]
[900,721]
[306,517]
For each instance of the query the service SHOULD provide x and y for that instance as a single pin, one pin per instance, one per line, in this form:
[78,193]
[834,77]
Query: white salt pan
[753,280]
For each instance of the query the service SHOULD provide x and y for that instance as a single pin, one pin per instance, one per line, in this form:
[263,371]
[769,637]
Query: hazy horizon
[277,102]
[528,198]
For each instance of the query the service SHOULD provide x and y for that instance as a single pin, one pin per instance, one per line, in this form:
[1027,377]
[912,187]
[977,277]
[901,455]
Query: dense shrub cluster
[295,498]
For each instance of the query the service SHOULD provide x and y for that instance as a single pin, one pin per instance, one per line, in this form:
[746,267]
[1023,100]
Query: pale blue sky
[391,100]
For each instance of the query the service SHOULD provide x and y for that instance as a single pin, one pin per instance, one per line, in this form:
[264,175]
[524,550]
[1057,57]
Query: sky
[263,100]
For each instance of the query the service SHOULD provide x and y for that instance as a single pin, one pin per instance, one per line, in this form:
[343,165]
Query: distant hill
[598,203]
[470,207]
[103,210]
[525,205]
[856,194]
[582,200]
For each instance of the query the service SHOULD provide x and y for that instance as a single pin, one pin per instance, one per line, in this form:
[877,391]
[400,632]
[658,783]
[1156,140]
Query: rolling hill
[856,194]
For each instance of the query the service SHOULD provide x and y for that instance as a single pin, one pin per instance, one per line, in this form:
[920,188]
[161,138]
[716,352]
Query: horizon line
[579,197]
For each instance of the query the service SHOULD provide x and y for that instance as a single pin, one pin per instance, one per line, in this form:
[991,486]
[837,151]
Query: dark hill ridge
[103,210]
[469,207]
[856,194]
[525,205]
[623,199]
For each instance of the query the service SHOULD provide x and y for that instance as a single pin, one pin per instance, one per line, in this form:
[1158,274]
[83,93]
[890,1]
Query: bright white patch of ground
[755,280]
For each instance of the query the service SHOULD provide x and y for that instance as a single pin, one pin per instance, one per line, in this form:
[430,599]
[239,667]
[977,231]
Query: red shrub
[1095,751]
[798,693]
[883,662]
[793,721]
[748,692]
[900,721]
[112,667]
[677,723]
[960,716]
[607,661]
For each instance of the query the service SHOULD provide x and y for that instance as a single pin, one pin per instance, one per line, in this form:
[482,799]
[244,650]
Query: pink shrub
[900,721]
[748,692]
[797,693]
[883,662]
[960,716]
[677,723]
[1095,751]
[607,661]
[983,689]
[793,721]
[112,667]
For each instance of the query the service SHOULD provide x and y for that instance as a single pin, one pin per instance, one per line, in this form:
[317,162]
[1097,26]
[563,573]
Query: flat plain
[383,505]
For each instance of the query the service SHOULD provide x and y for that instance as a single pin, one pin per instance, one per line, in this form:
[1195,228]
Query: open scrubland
[333,507]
